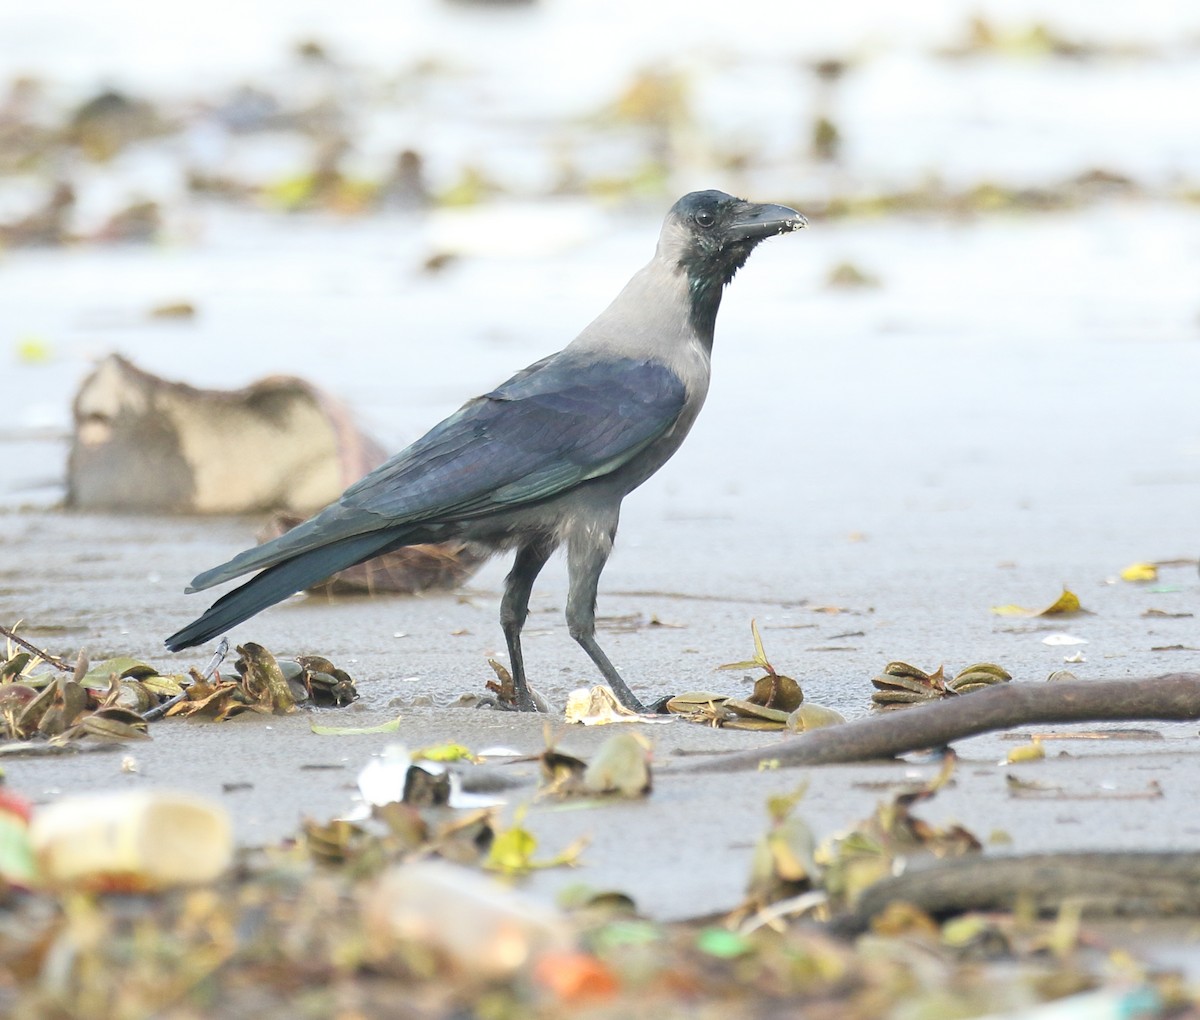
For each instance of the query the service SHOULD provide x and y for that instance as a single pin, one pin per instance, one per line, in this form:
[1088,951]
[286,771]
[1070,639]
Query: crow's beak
[757,222]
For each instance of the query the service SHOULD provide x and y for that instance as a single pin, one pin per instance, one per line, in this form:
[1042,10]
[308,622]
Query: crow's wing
[546,430]
[526,441]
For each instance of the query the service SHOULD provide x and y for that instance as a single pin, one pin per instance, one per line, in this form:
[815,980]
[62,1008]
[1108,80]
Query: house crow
[545,458]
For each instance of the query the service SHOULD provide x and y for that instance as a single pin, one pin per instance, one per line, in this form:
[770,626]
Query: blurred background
[996,309]
[233,189]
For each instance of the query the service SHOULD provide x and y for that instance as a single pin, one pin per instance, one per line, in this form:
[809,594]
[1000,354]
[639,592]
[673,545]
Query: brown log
[1174,696]
[1123,883]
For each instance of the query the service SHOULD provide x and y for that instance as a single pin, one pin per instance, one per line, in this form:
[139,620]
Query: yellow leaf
[1140,572]
[34,350]
[290,192]
[760,656]
[512,850]
[341,731]
[444,752]
[1026,752]
[1067,604]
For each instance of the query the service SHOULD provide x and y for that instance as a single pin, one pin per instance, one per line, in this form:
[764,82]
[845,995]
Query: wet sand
[996,421]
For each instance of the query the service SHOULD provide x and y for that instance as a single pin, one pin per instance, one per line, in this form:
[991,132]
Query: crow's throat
[707,278]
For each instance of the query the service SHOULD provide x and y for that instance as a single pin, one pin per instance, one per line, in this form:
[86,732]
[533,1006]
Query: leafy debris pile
[268,686]
[777,702]
[901,684]
[351,918]
[44,698]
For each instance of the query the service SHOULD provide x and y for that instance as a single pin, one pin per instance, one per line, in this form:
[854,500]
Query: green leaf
[99,676]
[723,944]
[760,655]
[512,850]
[16,853]
[347,731]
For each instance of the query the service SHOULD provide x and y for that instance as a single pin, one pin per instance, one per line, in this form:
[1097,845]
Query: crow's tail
[277,583]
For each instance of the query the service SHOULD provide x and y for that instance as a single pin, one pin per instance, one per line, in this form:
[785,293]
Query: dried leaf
[465,839]
[760,656]
[811,717]
[132,694]
[784,863]
[163,686]
[901,683]
[744,664]
[1067,604]
[99,675]
[737,722]
[204,698]
[695,701]
[30,716]
[598,706]
[322,682]
[14,698]
[345,731]
[1140,572]
[620,765]
[868,853]
[903,920]
[114,724]
[561,773]
[70,702]
[333,842]
[512,851]
[750,710]
[1033,751]
[777,691]
[15,666]
[263,680]
[503,686]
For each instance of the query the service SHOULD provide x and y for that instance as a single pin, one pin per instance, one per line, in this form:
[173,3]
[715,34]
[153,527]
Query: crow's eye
[705,218]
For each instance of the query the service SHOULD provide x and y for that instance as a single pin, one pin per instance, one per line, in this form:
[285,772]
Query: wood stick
[1123,883]
[33,649]
[1173,696]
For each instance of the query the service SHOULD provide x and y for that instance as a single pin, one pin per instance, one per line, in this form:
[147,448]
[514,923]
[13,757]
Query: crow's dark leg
[588,549]
[514,608]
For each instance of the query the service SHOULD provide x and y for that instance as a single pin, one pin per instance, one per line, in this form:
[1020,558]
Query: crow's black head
[709,235]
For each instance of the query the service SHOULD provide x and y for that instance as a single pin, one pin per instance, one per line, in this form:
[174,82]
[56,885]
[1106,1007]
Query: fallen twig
[1174,696]
[54,660]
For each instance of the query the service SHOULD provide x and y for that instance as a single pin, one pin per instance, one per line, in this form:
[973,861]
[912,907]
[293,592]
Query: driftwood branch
[1143,884]
[1174,696]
